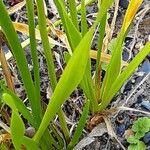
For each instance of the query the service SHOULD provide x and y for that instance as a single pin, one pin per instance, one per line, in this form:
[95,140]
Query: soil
[134,94]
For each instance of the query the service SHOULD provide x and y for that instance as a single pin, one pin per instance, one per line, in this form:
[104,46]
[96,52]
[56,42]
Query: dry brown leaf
[24,28]
[4,137]
[60,34]
[16,7]
[104,57]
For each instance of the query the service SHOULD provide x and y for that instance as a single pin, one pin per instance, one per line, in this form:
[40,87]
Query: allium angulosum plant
[76,73]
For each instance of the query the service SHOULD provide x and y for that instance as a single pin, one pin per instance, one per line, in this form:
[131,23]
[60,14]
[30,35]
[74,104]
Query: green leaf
[84,26]
[71,77]
[2,84]
[112,44]
[19,55]
[80,126]
[9,101]
[132,147]
[141,145]
[72,33]
[73,12]
[125,75]
[30,144]
[45,43]
[17,130]
[14,102]
[78,8]
[66,56]
[17,126]
[114,68]
[141,126]
[132,140]
[34,53]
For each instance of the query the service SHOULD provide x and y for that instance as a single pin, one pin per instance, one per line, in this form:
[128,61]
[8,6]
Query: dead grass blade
[24,28]
[16,7]
[104,57]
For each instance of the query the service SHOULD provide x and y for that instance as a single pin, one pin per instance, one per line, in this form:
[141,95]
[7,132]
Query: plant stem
[98,61]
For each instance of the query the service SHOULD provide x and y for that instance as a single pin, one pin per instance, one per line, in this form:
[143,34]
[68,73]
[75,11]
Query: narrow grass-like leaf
[17,130]
[16,126]
[71,77]
[125,75]
[45,42]
[80,126]
[74,38]
[18,52]
[72,33]
[73,12]
[114,67]
[20,106]
[84,26]
[50,62]
[63,124]
[78,8]
[98,64]
[30,13]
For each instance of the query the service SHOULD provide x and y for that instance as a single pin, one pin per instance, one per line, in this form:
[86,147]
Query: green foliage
[140,127]
[17,127]
[112,45]
[76,73]
[138,146]
[2,83]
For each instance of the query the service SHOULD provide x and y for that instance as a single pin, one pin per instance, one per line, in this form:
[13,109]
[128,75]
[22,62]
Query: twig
[135,110]
[4,126]
[5,68]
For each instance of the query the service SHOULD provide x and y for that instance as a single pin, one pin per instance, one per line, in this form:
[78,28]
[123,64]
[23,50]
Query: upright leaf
[19,55]
[125,75]
[17,128]
[84,26]
[71,77]
[72,33]
[73,12]
[114,67]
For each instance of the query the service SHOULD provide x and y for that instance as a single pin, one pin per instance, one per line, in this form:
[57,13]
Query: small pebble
[146,138]
[145,67]
[146,104]
[120,129]
[138,45]
[30,131]
[125,55]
